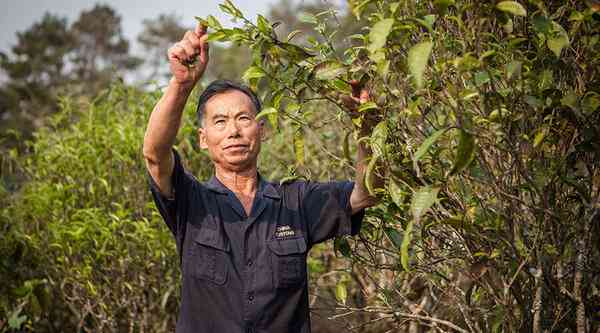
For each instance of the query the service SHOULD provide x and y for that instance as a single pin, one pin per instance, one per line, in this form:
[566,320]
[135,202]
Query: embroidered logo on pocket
[284,231]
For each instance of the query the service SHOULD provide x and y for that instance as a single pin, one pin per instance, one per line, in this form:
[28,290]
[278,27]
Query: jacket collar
[264,187]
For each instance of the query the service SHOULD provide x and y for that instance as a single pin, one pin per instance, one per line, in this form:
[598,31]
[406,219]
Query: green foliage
[491,112]
[82,245]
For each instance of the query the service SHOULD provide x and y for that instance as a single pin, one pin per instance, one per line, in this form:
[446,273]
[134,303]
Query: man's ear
[202,138]
[263,128]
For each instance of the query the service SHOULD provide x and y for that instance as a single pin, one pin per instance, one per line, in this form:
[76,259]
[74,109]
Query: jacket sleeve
[327,211]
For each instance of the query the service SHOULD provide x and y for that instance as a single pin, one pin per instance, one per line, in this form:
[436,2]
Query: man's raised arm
[187,59]
[360,197]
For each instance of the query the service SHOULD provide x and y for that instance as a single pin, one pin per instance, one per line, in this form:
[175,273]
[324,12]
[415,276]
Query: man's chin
[239,163]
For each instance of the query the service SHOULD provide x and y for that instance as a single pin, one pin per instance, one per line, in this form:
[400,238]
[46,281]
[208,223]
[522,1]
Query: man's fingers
[189,49]
[204,48]
[364,96]
[192,39]
[176,52]
[200,30]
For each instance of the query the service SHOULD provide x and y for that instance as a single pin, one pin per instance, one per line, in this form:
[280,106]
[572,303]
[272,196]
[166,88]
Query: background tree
[156,38]
[35,74]
[51,59]
[101,48]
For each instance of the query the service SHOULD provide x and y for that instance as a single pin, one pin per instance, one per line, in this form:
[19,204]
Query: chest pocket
[208,257]
[289,261]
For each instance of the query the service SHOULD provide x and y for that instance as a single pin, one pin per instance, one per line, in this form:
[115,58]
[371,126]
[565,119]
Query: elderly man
[242,240]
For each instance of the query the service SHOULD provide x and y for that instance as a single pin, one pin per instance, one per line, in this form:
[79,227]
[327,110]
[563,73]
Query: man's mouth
[236,146]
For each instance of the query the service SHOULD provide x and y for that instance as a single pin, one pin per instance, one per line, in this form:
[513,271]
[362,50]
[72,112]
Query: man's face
[231,132]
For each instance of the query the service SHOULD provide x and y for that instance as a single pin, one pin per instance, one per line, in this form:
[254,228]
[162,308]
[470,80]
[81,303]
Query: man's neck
[240,182]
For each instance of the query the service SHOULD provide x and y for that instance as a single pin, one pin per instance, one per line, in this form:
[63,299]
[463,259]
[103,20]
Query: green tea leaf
[424,147]
[394,237]
[293,34]
[379,33]
[307,18]
[418,56]
[422,200]
[367,106]
[299,145]
[513,69]
[341,293]
[539,137]
[342,246]
[213,23]
[396,193]
[263,24]
[465,152]
[271,114]
[378,138]
[369,174]
[329,70]
[558,39]
[512,7]
[253,72]
[405,243]
[346,146]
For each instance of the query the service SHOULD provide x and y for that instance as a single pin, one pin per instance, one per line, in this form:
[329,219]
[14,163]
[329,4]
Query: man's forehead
[232,101]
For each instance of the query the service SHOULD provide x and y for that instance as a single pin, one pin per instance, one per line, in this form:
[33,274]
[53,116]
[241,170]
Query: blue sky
[21,14]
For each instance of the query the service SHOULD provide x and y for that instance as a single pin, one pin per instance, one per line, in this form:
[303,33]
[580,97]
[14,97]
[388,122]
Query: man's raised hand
[188,57]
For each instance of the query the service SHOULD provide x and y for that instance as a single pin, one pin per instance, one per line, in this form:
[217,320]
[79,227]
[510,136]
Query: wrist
[181,87]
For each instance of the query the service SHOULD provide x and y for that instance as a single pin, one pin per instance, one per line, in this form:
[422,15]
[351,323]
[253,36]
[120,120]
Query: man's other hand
[188,57]
[360,95]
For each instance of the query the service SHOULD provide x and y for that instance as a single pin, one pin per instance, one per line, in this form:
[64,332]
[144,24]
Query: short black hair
[220,86]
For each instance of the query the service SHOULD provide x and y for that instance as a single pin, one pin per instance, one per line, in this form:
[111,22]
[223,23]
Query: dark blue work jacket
[248,273]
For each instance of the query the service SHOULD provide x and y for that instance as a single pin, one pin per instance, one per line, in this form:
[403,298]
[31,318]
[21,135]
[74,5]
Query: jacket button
[249,262]
[250,297]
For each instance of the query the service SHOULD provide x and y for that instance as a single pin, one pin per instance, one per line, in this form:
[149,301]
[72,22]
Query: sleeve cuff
[355,220]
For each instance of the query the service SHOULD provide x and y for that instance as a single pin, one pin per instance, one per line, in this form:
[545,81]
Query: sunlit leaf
[367,106]
[341,293]
[379,33]
[513,69]
[329,70]
[293,34]
[213,22]
[396,193]
[378,138]
[424,147]
[512,7]
[271,114]
[307,18]
[370,174]
[418,56]
[558,39]
[253,72]
[422,200]
[407,237]
[263,24]
[346,146]
[539,137]
[299,145]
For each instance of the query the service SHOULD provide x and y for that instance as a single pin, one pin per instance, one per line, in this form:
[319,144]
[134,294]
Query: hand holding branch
[188,57]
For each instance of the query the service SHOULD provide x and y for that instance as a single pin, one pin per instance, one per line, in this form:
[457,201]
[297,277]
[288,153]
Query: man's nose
[234,129]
